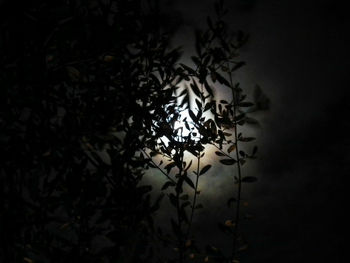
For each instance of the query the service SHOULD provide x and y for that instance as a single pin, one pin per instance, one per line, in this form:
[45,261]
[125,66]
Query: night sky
[297,54]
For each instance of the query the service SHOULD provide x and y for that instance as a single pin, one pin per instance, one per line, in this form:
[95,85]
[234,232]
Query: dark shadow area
[90,89]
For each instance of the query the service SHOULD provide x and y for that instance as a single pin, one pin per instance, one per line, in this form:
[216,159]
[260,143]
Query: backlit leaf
[228,161]
[189,181]
[192,115]
[167,184]
[231,148]
[219,153]
[249,179]
[205,169]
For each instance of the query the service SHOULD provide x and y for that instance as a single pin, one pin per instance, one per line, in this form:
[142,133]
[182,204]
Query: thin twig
[179,219]
[227,155]
[157,166]
[197,175]
[239,172]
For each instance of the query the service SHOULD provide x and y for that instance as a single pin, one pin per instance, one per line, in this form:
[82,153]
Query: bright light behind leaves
[185,126]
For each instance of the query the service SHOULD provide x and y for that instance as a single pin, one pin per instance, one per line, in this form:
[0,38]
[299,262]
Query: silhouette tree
[90,92]
[209,123]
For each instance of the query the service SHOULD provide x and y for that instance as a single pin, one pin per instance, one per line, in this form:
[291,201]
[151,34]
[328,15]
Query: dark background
[298,54]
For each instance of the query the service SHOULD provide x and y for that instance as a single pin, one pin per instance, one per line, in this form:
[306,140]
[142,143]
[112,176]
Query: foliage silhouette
[90,97]
[216,56]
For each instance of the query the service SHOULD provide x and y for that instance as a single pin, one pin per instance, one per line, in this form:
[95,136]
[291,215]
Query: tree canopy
[90,89]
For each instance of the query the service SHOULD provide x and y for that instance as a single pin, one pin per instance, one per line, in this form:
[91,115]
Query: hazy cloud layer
[297,55]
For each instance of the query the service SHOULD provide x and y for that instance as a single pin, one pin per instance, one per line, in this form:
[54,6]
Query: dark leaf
[189,181]
[242,153]
[228,161]
[156,204]
[255,149]
[189,165]
[169,166]
[199,104]
[196,60]
[246,139]
[195,88]
[205,169]
[246,104]
[206,60]
[207,106]
[219,153]
[222,80]
[189,70]
[184,101]
[152,154]
[167,184]
[239,117]
[173,199]
[213,76]
[193,117]
[262,102]
[186,125]
[251,120]
[183,92]
[208,88]
[238,65]
[231,148]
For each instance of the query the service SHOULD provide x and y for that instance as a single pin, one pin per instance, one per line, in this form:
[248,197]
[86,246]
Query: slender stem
[194,197]
[178,209]
[238,196]
[197,175]
[180,240]
[238,203]
[157,166]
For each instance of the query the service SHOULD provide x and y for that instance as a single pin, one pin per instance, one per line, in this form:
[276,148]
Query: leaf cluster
[81,84]
[91,96]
